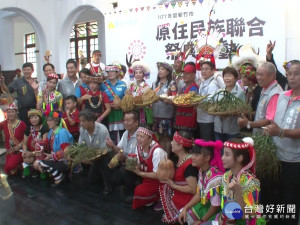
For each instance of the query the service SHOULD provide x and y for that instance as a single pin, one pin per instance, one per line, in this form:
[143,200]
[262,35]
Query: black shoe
[60,182]
[107,190]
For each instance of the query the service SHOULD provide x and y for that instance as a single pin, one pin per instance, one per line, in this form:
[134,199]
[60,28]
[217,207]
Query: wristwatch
[248,125]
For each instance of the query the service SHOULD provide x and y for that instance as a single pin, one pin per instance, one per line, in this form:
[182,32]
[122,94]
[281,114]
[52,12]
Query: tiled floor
[35,202]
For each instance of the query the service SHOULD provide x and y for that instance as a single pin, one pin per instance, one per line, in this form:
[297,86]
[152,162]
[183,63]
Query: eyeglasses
[205,69]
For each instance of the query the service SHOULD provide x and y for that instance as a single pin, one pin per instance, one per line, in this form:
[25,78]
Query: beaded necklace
[185,158]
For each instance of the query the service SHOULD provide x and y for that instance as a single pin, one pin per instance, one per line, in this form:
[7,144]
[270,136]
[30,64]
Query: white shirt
[158,155]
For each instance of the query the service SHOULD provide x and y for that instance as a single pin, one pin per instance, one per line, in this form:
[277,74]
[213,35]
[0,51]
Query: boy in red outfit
[71,116]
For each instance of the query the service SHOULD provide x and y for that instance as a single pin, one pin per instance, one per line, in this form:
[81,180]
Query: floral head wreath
[35,112]
[248,144]
[217,146]
[165,65]
[249,71]
[183,141]
[138,65]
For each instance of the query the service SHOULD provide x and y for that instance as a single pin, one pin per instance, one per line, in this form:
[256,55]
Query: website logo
[233,210]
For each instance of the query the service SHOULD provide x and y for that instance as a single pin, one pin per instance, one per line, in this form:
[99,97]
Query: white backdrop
[153,34]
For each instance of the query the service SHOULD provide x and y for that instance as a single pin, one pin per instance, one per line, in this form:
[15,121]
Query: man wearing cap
[68,85]
[14,130]
[96,66]
[185,117]
[26,89]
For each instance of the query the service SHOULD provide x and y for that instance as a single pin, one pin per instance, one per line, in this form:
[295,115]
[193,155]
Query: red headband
[183,141]
[241,146]
[145,131]
[218,146]
[189,69]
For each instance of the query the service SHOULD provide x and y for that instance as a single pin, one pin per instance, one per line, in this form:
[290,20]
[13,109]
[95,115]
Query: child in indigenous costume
[176,193]
[186,117]
[163,111]
[239,183]
[98,101]
[14,133]
[141,72]
[71,116]
[150,154]
[49,99]
[34,140]
[205,205]
[58,138]
[115,90]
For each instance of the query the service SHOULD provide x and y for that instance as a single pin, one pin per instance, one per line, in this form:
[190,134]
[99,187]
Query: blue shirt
[63,136]
[78,91]
[119,89]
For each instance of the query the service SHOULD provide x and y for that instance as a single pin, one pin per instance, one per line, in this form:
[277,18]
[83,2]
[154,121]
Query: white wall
[53,20]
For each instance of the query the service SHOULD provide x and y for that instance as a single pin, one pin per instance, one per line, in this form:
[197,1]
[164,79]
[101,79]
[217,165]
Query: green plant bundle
[223,102]
[78,153]
[267,163]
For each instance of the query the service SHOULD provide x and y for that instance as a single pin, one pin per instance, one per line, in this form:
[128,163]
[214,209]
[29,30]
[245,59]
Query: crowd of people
[212,164]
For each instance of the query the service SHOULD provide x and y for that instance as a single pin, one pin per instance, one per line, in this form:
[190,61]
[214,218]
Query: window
[30,50]
[83,40]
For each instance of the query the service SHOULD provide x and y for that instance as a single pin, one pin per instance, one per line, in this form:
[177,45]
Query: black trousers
[99,169]
[121,176]
[290,188]
[206,131]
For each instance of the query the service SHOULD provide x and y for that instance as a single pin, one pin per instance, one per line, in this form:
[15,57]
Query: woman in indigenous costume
[177,193]
[239,183]
[150,154]
[163,111]
[35,138]
[205,205]
[97,101]
[186,117]
[58,138]
[49,99]
[115,90]
[141,71]
[246,62]
[81,92]
[14,133]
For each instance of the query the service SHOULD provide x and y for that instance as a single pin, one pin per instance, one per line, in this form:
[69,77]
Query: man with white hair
[266,78]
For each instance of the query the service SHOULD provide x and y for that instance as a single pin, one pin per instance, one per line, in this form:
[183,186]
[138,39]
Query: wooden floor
[35,202]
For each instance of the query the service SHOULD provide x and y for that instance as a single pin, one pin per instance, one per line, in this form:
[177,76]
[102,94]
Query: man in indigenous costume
[115,90]
[176,193]
[58,138]
[266,78]
[185,117]
[14,133]
[239,184]
[150,154]
[96,67]
[286,134]
[206,203]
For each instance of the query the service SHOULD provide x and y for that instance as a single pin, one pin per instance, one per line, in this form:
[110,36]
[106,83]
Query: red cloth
[148,191]
[75,117]
[186,117]
[173,200]
[13,161]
